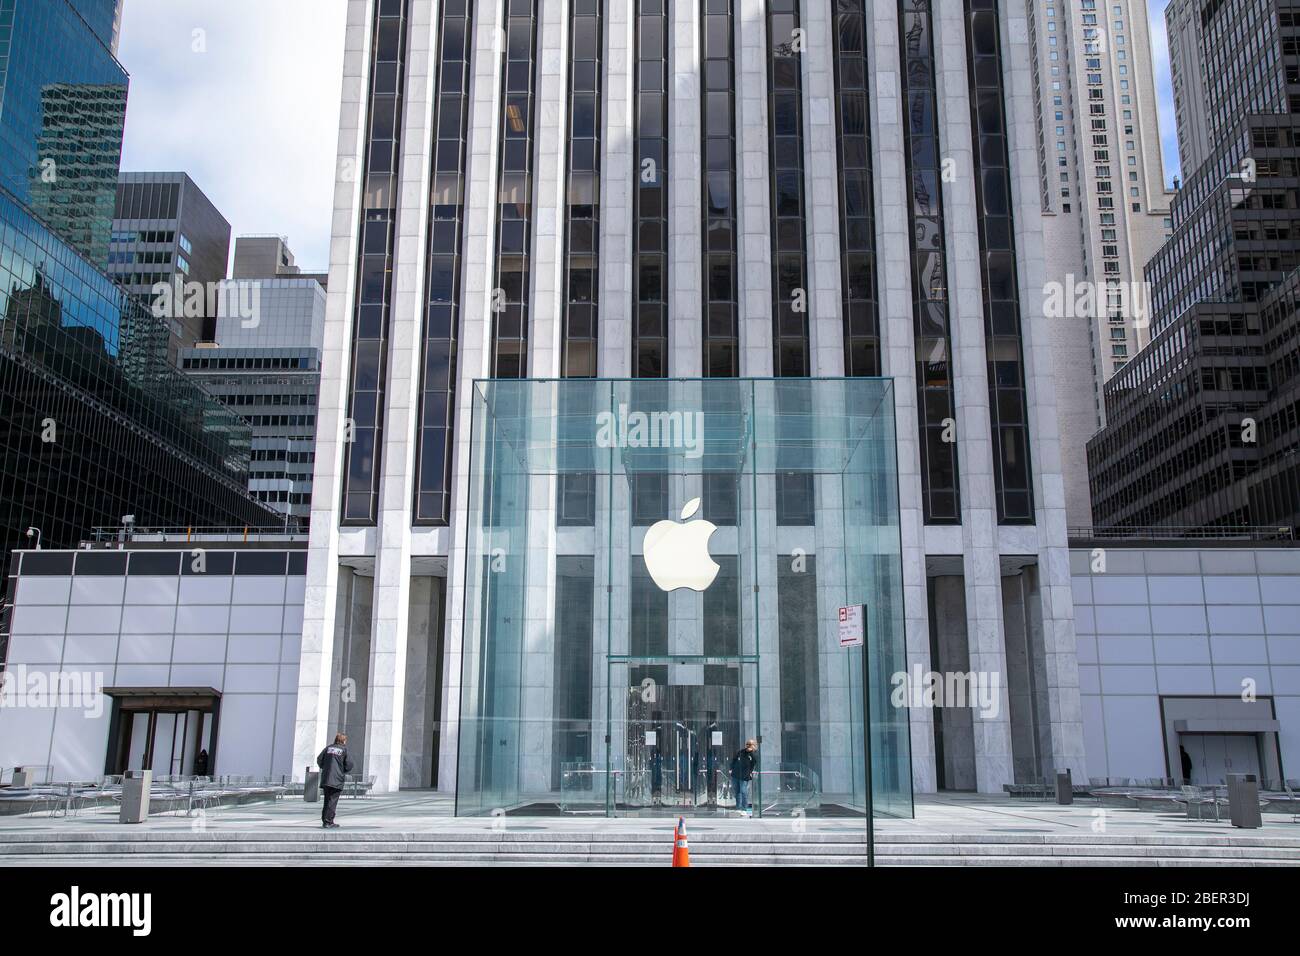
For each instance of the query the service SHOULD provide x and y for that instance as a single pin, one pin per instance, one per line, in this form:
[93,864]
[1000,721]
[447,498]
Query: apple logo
[677,554]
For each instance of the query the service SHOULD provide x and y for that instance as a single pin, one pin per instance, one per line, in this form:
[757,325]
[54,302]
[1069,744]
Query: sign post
[853,633]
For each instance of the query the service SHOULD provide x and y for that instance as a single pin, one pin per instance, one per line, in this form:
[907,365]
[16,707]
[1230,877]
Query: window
[721,311]
[510,292]
[650,198]
[790,293]
[935,401]
[442,303]
[372,307]
[857,213]
[582,232]
[1008,405]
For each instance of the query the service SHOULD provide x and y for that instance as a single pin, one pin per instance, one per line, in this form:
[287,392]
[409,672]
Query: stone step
[597,859]
[639,838]
[614,849]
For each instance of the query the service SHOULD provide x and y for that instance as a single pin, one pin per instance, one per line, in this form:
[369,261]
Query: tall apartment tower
[1104,200]
[551,215]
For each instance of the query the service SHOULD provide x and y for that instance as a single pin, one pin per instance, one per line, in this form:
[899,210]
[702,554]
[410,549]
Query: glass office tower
[95,422]
[620,648]
[62,114]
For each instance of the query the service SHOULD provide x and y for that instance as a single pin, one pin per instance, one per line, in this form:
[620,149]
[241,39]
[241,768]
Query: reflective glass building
[62,114]
[95,423]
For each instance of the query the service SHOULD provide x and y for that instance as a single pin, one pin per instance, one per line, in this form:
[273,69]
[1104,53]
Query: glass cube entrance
[654,575]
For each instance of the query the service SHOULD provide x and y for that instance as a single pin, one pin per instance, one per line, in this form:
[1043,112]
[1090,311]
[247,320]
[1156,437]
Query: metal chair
[1195,798]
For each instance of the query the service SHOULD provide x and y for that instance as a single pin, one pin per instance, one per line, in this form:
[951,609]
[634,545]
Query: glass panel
[624,640]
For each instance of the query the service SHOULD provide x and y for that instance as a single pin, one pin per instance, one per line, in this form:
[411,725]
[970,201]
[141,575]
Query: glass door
[675,726]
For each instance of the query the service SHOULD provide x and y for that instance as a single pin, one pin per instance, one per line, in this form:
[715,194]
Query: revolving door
[653,573]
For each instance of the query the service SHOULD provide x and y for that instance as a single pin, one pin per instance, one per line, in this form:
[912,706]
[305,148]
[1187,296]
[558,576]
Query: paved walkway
[429,812]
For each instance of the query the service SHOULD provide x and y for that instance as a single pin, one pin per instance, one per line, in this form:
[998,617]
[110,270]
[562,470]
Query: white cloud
[244,96]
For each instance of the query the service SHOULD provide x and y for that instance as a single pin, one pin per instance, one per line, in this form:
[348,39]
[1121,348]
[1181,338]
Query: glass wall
[617,665]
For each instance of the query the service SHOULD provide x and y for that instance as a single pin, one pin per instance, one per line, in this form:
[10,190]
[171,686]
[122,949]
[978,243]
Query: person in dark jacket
[201,764]
[335,765]
[1186,759]
[742,773]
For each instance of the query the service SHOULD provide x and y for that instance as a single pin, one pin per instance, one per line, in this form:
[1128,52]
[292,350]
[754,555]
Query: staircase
[559,848]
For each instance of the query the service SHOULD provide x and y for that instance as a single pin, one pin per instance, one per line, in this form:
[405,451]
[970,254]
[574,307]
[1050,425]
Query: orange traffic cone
[681,848]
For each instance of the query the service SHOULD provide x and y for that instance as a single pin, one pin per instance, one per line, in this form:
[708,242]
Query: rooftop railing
[111,537]
[1225,533]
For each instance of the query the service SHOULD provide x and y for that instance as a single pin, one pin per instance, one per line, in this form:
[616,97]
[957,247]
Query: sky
[244,96]
[1164,91]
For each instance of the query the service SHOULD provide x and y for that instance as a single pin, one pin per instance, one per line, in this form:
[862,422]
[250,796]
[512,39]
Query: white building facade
[685,189]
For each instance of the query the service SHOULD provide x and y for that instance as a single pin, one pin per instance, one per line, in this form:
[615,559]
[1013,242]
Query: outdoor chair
[1194,797]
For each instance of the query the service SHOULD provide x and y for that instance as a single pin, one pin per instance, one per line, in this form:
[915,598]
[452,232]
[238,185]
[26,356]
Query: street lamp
[35,533]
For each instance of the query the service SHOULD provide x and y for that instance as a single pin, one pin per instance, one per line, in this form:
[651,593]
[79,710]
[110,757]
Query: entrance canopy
[655,572]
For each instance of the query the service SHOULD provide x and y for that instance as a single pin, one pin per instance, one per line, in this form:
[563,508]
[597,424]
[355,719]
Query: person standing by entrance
[742,773]
[335,765]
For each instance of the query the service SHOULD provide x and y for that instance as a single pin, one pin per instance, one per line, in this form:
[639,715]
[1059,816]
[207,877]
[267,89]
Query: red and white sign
[853,625]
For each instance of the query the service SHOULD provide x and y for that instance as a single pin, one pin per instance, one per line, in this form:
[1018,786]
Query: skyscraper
[265,366]
[166,230]
[552,216]
[62,113]
[1104,200]
[1202,427]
